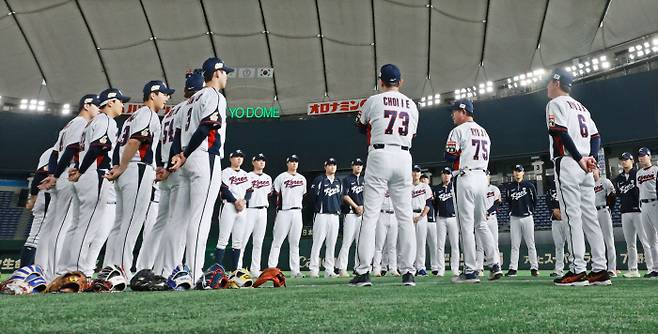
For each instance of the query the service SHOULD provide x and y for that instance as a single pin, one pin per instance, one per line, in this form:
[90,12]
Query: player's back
[564,113]
[207,105]
[474,145]
[392,117]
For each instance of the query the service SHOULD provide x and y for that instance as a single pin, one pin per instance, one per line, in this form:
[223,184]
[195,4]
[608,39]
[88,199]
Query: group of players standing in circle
[107,194]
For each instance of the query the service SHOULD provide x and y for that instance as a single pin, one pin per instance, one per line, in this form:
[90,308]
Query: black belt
[453,216]
[418,211]
[380,146]
[648,200]
[258,207]
[387,211]
[291,209]
[601,207]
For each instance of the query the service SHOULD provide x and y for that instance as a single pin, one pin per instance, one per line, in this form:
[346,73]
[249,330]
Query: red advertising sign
[335,107]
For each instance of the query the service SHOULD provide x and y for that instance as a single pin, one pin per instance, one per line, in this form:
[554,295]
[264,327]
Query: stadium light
[41,106]
[66,109]
[23,105]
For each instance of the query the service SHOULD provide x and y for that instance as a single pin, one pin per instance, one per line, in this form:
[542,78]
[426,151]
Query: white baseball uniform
[392,121]
[59,216]
[386,240]
[327,196]
[646,182]
[602,189]
[290,190]
[493,195]
[470,144]
[235,186]
[256,221]
[133,187]
[420,195]
[41,204]
[91,193]
[575,187]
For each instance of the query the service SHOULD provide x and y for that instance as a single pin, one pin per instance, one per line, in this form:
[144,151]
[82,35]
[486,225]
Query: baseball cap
[424,176]
[465,104]
[519,168]
[565,78]
[236,153]
[446,170]
[330,161]
[213,64]
[111,93]
[259,156]
[157,86]
[357,162]
[626,156]
[89,99]
[643,151]
[390,73]
[416,168]
[292,158]
[194,81]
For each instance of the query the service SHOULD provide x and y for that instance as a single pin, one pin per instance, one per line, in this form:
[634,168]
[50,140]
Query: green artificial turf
[521,304]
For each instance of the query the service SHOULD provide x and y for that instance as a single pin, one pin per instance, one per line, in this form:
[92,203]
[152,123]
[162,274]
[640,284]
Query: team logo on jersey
[331,191]
[491,194]
[517,195]
[293,183]
[417,193]
[644,178]
[356,189]
[551,120]
[451,146]
[235,180]
[445,196]
[257,184]
[626,188]
[598,188]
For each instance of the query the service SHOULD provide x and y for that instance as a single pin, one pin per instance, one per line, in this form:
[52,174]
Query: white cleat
[632,274]
[344,273]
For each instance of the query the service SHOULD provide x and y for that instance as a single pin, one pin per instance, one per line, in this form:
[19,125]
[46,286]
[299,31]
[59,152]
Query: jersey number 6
[403,130]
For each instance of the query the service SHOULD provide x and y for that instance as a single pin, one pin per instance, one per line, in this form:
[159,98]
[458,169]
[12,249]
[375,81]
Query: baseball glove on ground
[215,277]
[271,274]
[28,279]
[146,280]
[74,281]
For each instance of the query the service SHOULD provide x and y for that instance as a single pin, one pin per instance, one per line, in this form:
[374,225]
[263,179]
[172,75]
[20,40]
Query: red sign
[335,107]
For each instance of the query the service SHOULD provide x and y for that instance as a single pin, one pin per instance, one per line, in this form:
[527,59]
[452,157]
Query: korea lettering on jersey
[262,187]
[398,123]
[101,131]
[419,196]
[602,190]
[208,107]
[237,182]
[470,142]
[169,126]
[443,198]
[646,181]
[327,194]
[143,125]
[353,187]
[564,114]
[290,190]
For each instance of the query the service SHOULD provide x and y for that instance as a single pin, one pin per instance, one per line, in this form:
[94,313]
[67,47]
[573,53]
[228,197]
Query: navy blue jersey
[628,191]
[353,187]
[521,198]
[443,201]
[431,215]
[326,195]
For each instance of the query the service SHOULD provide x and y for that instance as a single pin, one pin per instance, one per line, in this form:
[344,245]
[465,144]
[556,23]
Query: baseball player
[604,199]
[256,222]
[236,191]
[390,119]
[431,231]
[446,223]
[353,210]
[385,258]
[289,189]
[631,221]
[326,195]
[60,215]
[560,232]
[172,204]
[468,147]
[574,142]
[646,182]
[134,173]
[421,200]
[492,203]
[38,202]
[521,198]
[151,232]
[203,131]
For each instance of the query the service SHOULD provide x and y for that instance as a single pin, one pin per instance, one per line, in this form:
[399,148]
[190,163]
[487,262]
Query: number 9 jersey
[470,142]
[391,117]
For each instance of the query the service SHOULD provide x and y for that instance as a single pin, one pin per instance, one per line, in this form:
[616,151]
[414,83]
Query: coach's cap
[111,93]
[292,158]
[213,64]
[357,162]
[446,170]
[643,151]
[259,157]
[330,161]
[519,168]
[89,99]
[236,153]
[465,104]
[194,81]
[390,73]
[416,168]
[157,86]
[626,156]
[565,78]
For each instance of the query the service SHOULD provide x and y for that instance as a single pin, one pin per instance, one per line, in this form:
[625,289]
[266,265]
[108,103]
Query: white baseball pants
[605,220]
[288,223]
[448,226]
[255,225]
[325,228]
[560,232]
[351,224]
[492,222]
[386,244]
[522,228]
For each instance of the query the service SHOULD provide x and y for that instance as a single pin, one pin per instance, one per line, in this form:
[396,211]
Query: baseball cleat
[612,273]
[344,273]
[534,272]
[422,273]
[435,273]
[466,278]
[313,275]
[511,273]
[395,273]
[298,275]
[408,280]
[495,272]
[555,274]
[571,279]
[361,280]
[330,275]
[599,278]
[383,273]
[377,273]
[652,274]
[481,273]
[632,274]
